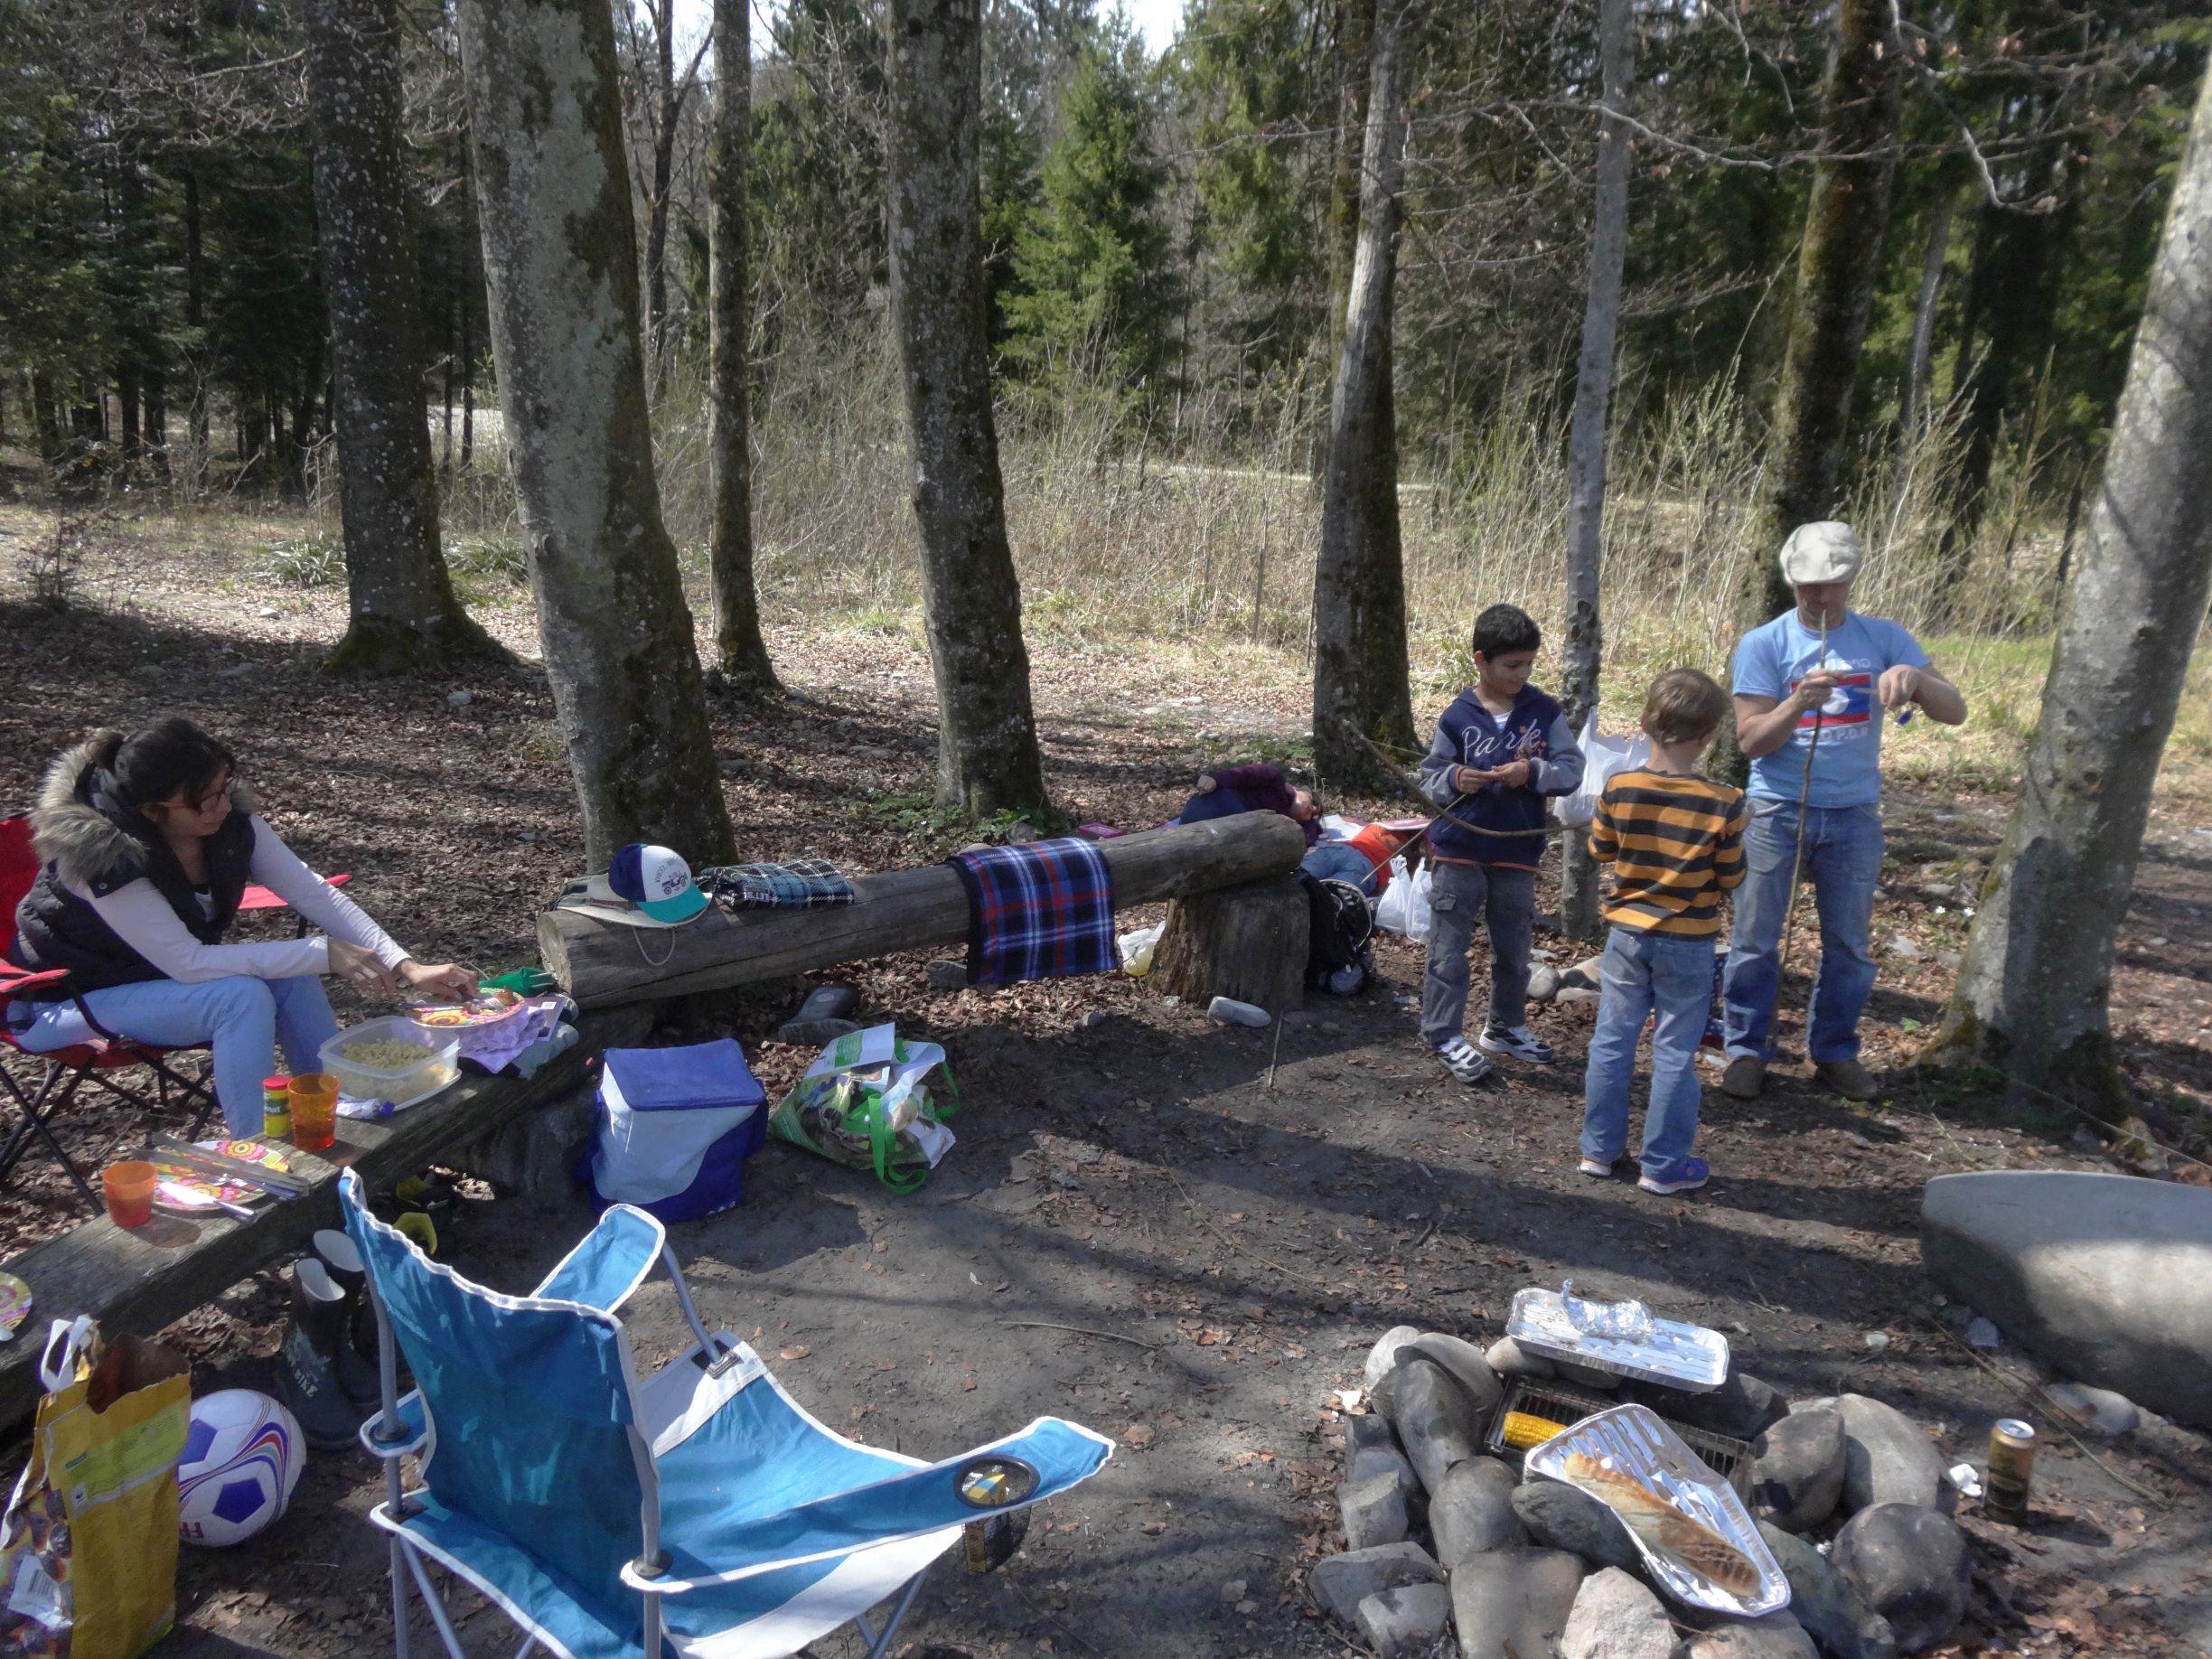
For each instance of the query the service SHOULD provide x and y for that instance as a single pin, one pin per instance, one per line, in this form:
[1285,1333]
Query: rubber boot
[356,1355]
[306,1363]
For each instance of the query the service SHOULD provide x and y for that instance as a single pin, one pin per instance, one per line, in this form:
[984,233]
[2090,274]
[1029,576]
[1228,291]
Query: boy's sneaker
[1694,1172]
[1519,1042]
[1461,1061]
[1597,1171]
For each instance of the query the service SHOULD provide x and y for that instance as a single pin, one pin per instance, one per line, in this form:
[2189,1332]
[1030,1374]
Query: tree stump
[1247,942]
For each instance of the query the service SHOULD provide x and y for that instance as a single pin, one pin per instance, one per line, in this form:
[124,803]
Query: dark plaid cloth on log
[803,884]
[1039,911]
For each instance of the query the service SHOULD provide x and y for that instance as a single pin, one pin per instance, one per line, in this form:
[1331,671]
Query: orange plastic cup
[130,1190]
[314,1110]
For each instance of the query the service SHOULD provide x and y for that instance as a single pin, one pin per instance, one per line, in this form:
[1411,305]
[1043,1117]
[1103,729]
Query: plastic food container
[1633,1463]
[1676,1356]
[402,1085]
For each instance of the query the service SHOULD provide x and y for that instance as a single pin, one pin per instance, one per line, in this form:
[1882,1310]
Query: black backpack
[1337,940]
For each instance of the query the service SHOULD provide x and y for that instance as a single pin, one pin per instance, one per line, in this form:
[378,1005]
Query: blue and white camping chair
[697,1514]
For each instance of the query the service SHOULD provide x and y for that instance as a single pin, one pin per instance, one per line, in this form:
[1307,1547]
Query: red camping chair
[67,1070]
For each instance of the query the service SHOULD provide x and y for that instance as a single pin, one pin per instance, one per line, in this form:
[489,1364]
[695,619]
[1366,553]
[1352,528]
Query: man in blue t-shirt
[1810,690]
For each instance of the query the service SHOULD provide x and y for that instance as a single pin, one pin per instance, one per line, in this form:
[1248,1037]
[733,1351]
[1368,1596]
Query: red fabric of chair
[67,1070]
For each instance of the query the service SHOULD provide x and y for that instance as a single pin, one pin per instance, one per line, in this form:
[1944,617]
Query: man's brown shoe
[1744,1077]
[1849,1079]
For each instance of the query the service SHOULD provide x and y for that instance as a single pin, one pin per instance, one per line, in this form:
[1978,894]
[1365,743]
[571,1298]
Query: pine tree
[1095,282]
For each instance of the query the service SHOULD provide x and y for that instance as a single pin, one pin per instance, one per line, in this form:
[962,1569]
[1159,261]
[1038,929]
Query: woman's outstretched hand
[359,967]
[447,979]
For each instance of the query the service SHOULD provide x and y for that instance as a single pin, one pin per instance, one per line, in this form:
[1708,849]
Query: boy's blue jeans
[243,1019]
[1641,973]
[1843,860]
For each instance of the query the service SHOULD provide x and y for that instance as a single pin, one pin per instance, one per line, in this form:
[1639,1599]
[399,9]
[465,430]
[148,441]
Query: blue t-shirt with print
[1847,765]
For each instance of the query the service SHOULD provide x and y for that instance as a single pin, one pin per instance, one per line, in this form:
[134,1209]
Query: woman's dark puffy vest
[56,929]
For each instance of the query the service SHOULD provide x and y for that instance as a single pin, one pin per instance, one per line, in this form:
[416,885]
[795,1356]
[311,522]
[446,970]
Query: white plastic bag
[1137,949]
[1603,758]
[1403,907]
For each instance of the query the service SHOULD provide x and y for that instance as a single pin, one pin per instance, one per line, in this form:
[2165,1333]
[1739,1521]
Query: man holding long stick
[1810,688]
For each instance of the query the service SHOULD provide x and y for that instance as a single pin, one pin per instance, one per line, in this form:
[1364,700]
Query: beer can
[2012,1470]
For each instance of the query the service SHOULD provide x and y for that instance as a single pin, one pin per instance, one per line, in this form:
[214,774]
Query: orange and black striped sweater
[1675,842]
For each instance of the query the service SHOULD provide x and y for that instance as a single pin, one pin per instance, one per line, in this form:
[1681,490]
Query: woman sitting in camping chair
[149,842]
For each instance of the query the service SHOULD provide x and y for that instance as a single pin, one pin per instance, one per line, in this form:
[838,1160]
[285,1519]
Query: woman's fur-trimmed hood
[84,845]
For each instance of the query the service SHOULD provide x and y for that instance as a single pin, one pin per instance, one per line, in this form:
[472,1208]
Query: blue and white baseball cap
[654,880]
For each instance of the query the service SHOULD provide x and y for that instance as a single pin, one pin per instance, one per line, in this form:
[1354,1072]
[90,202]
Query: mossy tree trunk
[2033,989]
[741,652]
[1585,441]
[1839,262]
[1838,265]
[561,267]
[987,759]
[1360,663]
[404,614]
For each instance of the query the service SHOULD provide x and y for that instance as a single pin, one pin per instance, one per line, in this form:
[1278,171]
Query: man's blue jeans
[1843,860]
[243,1019]
[1641,973]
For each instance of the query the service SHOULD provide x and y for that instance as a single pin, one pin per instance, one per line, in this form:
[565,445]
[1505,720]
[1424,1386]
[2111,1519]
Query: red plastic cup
[314,1110]
[128,1189]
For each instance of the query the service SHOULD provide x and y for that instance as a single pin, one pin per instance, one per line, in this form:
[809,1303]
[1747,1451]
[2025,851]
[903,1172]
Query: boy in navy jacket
[1499,750]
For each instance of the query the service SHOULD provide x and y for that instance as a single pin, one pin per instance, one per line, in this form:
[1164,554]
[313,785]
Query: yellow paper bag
[88,1545]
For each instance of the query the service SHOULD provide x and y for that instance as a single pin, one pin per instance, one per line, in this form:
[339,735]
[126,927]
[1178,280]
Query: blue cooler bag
[674,1129]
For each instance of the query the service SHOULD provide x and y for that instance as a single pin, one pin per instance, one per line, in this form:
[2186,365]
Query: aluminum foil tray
[1675,1355]
[1631,1442]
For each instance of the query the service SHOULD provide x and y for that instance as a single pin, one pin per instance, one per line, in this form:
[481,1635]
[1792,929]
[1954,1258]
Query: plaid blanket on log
[803,884]
[1038,911]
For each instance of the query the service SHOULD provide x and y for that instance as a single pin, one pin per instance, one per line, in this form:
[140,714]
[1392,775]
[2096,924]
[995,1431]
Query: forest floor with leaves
[1229,1218]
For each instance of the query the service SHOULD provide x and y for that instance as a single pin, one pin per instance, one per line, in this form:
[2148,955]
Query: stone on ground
[1911,1566]
[1565,1517]
[1507,1358]
[1615,1617]
[1465,1362]
[1514,1604]
[1776,1635]
[1472,1512]
[945,974]
[1341,1582]
[1740,1407]
[2102,1274]
[1369,1461]
[1367,1430]
[1438,1422]
[1797,1470]
[1833,1613]
[1405,1622]
[1383,1355]
[1374,1511]
[2097,1407]
[1886,1459]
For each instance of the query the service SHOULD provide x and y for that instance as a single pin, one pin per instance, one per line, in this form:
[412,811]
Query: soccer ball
[242,1458]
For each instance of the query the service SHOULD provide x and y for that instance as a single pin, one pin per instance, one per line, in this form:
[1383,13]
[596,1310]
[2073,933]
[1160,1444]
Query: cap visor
[668,912]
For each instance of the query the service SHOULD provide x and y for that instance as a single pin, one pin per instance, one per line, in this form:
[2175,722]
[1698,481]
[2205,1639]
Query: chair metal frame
[392,1434]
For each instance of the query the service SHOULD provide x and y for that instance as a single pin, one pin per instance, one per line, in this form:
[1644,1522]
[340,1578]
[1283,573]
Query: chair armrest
[608,1263]
[907,1506]
[20,981]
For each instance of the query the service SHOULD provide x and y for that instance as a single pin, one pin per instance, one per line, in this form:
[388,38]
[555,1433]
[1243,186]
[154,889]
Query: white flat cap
[1827,551]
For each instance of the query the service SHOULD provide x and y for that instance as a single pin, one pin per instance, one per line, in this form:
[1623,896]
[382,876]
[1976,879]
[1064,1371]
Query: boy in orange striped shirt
[1675,842]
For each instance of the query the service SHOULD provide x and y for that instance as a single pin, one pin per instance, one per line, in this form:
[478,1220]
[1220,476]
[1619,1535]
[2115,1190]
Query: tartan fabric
[1039,911]
[803,884]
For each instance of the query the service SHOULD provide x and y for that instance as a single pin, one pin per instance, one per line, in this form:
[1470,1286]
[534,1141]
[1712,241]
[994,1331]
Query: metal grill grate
[1562,1403]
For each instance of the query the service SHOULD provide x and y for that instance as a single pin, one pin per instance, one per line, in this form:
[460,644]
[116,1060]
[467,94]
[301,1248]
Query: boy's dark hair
[1684,704]
[1504,628]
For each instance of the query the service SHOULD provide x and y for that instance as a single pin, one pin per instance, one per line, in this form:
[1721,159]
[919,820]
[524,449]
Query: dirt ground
[1230,1217]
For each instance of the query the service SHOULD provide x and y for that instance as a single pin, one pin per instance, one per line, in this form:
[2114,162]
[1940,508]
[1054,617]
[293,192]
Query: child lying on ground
[1257,787]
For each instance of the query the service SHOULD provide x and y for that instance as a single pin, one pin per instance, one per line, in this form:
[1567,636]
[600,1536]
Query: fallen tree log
[603,963]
